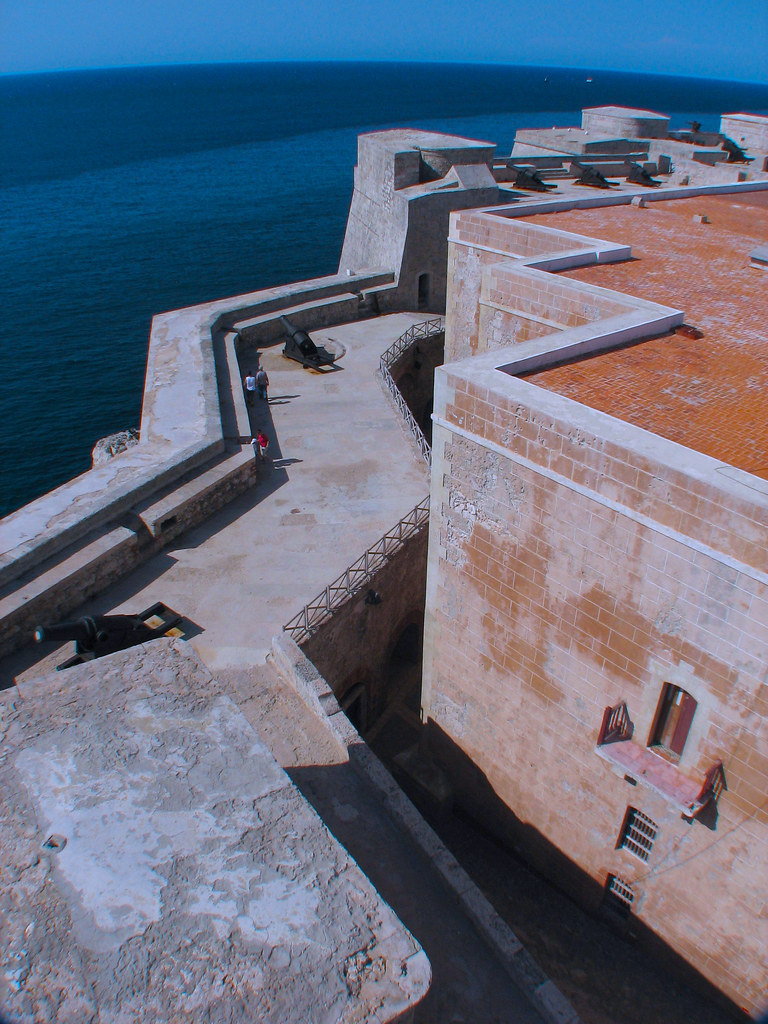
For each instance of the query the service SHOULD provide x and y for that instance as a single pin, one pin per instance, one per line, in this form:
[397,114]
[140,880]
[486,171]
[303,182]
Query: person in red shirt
[261,441]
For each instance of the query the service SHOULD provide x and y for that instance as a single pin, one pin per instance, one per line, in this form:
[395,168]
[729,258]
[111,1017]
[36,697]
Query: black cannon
[97,635]
[639,176]
[301,347]
[736,154]
[587,175]
[530,180]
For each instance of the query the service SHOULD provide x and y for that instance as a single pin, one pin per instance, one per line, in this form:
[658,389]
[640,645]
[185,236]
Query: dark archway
[423,291]
[426,420]
[403,669]
[354,704]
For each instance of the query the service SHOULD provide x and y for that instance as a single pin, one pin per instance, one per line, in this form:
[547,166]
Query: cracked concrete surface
[158,863]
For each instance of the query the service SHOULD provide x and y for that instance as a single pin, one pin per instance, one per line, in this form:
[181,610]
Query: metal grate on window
[619,895]
[639,833]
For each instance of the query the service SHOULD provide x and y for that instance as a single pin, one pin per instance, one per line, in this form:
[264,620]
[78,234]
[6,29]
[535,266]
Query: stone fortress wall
[194,455]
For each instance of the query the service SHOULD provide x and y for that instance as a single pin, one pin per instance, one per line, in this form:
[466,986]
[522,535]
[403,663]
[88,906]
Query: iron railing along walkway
[425,330]
[358,575]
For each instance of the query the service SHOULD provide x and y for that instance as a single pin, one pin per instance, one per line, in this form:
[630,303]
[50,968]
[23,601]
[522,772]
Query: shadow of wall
[476,797]
[357,642]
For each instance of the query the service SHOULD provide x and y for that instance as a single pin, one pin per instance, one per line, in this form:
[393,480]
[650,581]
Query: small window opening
[423,291]
[673,721]
[354,704]
[619,896]
[638,834]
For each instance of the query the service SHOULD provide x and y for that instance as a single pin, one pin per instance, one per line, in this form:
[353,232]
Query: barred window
[638,833]
[619,896]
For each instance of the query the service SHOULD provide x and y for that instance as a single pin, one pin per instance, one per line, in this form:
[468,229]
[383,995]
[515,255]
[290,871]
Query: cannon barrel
[301,338]
[84,631]
[101,634]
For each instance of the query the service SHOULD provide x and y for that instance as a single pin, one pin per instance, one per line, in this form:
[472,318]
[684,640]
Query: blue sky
[707,38]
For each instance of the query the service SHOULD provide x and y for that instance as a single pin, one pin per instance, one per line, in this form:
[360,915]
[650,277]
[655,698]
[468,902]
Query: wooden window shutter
[683,724]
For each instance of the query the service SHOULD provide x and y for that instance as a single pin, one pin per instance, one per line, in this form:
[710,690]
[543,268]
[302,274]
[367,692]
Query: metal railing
[358,575]
[426,329]
[422,331]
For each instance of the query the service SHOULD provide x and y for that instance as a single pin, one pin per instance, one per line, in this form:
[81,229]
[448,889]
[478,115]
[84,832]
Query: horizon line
[588,69]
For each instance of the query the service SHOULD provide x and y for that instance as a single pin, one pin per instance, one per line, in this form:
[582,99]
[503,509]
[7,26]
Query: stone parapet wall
[188,462]
[750,131]
[507,298]
[44,597]
[624,122]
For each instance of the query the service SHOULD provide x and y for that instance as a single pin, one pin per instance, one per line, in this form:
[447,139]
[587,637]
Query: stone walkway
[344,471]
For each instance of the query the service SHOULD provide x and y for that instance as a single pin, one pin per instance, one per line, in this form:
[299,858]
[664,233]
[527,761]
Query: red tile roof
[709,394]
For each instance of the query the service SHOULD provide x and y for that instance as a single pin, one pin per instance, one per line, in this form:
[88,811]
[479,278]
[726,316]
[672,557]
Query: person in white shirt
[250,387]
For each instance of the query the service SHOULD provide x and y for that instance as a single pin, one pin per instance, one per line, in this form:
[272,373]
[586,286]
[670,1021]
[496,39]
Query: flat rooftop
[708,394]
[398,139]
[611,111]
[161,866]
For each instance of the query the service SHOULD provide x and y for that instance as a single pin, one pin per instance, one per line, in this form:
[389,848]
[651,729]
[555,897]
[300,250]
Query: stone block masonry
[579,563]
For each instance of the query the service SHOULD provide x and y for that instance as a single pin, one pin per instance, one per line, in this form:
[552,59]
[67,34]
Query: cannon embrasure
[97,635]
[301,347]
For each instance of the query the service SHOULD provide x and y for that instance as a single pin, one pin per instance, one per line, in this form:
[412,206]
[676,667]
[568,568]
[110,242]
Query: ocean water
[128,192]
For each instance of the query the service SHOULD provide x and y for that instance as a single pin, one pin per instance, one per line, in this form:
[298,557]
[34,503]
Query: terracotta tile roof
[709,394]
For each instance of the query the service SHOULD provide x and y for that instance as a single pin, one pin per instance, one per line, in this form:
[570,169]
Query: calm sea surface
[127,192]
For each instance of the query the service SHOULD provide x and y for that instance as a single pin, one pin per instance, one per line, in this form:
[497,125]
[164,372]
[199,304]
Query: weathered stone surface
[107,447]
[157,862]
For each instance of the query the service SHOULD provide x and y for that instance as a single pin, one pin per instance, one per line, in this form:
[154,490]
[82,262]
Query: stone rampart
[194,453]
[407,183]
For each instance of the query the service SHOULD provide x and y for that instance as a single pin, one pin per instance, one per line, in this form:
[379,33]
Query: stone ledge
[301,674]
[189,504]
[68,583]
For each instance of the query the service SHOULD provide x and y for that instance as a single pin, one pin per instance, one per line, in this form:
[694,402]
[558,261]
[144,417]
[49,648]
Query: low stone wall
[43,598]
